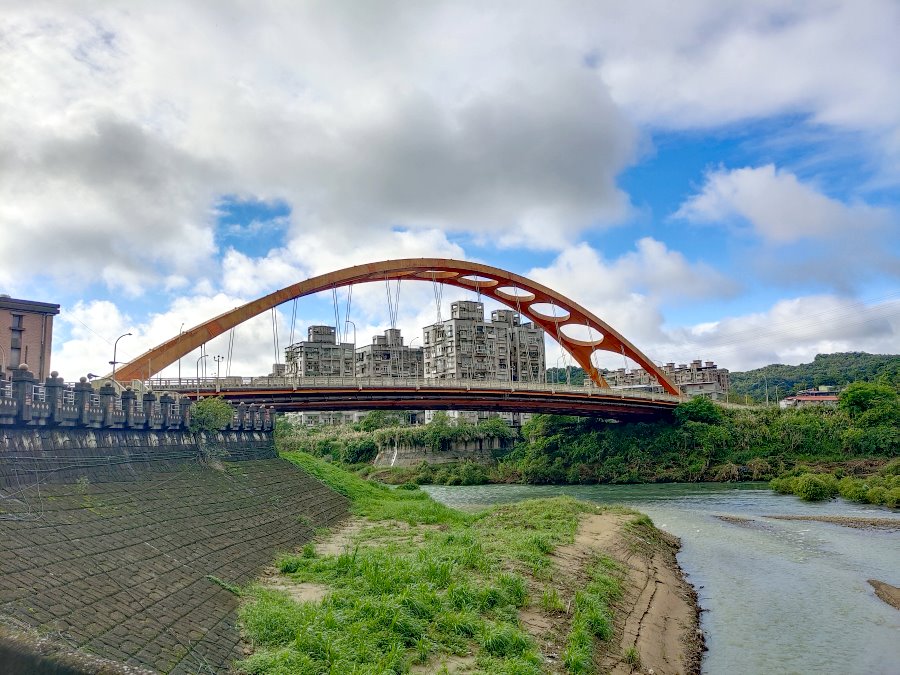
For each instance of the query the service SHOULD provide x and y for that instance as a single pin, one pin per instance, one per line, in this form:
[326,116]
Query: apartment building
[26,335]
[387,356]
[320,355]
[467,347]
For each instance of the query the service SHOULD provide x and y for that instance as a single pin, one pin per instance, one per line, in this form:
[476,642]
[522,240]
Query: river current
[778,596]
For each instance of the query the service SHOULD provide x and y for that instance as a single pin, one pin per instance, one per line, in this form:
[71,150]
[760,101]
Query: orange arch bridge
[578,331]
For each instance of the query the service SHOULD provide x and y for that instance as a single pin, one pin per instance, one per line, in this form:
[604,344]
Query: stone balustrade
[25,402]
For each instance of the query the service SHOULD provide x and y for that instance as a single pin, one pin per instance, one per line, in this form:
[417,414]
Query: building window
[17,322]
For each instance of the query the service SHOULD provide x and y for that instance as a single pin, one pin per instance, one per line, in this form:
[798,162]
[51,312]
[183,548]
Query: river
[777,596]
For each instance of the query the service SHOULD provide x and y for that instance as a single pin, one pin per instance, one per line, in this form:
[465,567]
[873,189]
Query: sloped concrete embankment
[116,547]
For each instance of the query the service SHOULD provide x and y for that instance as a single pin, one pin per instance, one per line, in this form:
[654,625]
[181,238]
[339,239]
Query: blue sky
[715,180]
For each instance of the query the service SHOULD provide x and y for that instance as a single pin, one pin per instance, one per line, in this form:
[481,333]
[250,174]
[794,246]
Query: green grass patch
[401,596]
[592,619]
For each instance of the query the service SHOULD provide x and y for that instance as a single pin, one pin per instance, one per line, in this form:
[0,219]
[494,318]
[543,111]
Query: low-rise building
[26,334]
[823,396]
[700,378]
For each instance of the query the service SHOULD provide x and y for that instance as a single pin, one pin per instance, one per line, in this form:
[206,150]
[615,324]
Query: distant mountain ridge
[837,370]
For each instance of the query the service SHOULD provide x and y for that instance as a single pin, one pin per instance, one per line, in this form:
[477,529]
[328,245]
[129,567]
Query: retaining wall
[112,542]
[481,451]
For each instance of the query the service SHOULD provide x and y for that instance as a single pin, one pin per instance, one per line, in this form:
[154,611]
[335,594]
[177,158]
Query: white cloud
[780,208]
[792,331]
[701,63]
[806,236]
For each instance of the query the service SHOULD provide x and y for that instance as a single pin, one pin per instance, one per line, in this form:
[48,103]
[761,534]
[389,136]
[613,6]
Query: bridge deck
[347,393]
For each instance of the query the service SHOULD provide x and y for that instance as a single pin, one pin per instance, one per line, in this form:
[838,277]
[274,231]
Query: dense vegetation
[705,442]
[356,443]
[708,442]
[836,370]
[881,488]
[399,596]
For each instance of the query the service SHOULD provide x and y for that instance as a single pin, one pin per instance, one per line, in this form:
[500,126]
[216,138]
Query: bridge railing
[231,384]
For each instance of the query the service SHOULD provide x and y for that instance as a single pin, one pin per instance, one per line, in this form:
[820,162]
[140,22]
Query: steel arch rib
[489,281]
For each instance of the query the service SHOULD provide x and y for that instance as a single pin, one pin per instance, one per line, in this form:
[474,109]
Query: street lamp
[199,359]
[218,359]
[114,362]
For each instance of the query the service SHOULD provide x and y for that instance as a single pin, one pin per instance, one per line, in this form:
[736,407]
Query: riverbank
[541,586]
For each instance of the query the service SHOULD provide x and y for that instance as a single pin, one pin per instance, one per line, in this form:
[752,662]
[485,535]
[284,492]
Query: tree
[698,409]
[378,419]
[210,414]
[861,397]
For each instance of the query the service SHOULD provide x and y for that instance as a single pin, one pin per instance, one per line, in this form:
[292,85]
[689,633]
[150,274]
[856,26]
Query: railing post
[165,402]
[184,409]
[54,385]
[23,392]
[241,416]
[147,400]
[107,395]
[253,414]
[83,391]
[129,398]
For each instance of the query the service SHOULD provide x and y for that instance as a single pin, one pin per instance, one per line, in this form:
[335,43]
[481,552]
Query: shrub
[698,409]
[892,498]
[852,489]
[814,487]
[210,414]
[877,495]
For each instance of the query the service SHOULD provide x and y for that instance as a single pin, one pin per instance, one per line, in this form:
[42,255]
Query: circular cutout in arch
[475,281]
[580,334]
[513,294]
[547,312]
[437,274]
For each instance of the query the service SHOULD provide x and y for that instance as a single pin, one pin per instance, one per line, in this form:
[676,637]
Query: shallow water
[777,596]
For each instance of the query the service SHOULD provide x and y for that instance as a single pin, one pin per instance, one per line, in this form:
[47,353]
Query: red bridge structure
[578,331]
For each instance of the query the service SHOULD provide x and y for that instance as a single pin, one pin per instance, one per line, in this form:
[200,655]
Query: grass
[593,615]
[452,585]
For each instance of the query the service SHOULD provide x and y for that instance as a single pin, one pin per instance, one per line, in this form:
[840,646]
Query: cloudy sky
[716,180]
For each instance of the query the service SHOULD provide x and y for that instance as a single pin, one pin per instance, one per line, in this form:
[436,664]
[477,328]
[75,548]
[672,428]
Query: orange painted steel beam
[512,290]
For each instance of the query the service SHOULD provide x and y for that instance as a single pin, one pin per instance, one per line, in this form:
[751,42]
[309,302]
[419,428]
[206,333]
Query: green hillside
[826,369]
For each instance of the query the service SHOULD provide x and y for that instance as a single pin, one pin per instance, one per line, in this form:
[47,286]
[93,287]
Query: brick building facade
[26,334]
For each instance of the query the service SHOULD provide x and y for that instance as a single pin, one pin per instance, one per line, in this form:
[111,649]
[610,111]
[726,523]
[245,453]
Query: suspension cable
[293,319]
[438,296]
[230,352]
[337,315]
[559,340]
[347,310]
[275,334]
